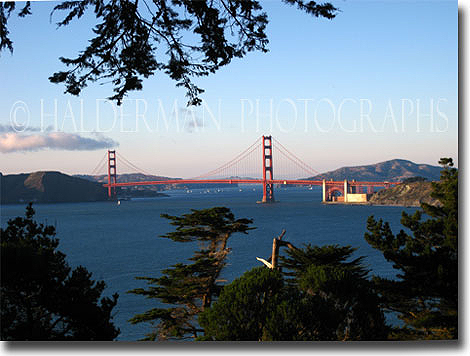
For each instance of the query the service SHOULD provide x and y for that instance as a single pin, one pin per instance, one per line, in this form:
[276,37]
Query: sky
[378,82]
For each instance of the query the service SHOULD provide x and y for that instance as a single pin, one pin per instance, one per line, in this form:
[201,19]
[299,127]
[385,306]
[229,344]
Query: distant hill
[130,177]
[139,177]
[393,170]
[123,178]
[48,187]
[405,194]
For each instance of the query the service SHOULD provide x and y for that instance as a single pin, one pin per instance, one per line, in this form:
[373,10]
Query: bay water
[118,242]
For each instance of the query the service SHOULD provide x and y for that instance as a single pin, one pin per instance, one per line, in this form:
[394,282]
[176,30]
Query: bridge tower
[112,173]
[268,188]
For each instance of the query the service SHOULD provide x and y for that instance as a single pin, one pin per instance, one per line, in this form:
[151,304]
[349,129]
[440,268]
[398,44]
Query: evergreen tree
[322,297]
[41,297]
[339,282]
[190,288]
[425,292]
[245,306]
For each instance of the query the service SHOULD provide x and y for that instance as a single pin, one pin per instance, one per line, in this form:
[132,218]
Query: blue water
[120,242]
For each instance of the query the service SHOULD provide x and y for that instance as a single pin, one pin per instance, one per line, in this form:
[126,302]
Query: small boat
[118,202]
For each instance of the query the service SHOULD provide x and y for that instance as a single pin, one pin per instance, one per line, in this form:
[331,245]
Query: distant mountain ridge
[48,187]
[392,170]
[140,177]
[123,178]
[130,177]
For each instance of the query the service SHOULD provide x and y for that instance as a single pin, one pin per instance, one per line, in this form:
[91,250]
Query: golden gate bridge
[255,166]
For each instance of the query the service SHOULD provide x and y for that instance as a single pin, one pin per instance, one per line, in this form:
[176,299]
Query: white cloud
[20,142]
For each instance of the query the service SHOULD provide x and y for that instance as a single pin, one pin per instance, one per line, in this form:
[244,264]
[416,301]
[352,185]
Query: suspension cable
[132,165]
[300,163]
[231,162]
[99,165]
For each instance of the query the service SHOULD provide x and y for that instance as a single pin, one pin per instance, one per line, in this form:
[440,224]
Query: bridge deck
[249,181]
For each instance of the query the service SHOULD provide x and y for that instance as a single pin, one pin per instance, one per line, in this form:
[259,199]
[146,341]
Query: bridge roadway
[250,181]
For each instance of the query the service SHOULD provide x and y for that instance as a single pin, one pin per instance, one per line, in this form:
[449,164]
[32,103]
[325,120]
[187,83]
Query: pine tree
[323,297]
[425,292]
[42,298]
[340,283]
[190,287]
[246,306]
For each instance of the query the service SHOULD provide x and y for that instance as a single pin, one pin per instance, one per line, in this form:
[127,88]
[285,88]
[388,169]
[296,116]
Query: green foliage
[425,293]
[244,307]
[339,283]
[183,38]
[326,298]
[42,297]
[260,306]
[209,225]
[190,288]
[298,260]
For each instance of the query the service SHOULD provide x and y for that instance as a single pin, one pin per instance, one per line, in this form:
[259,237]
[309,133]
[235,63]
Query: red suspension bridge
[255,166]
